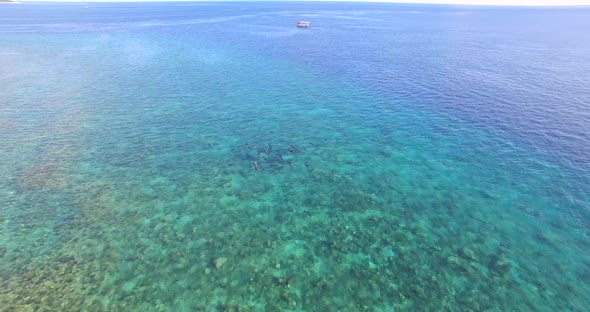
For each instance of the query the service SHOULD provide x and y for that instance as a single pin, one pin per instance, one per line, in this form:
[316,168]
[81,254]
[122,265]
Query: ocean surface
[214,157]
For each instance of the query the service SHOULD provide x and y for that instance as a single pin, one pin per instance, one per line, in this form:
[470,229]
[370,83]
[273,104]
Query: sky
[478,2]
[501,2]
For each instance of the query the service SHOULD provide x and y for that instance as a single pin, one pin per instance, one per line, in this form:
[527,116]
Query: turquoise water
[175,160]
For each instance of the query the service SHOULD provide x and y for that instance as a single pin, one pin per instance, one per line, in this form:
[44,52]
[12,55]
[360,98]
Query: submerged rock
[388,252]
[219,262]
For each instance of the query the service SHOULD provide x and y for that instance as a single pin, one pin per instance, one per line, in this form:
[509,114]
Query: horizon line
[451,2]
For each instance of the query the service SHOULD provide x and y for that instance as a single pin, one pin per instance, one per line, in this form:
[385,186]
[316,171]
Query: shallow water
[409,158]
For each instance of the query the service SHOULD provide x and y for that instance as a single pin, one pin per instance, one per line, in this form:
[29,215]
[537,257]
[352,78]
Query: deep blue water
[212,156]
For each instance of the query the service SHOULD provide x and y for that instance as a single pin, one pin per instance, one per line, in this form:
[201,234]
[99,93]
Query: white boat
[303,24]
